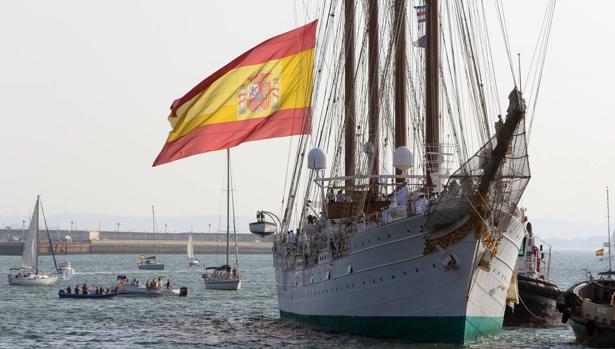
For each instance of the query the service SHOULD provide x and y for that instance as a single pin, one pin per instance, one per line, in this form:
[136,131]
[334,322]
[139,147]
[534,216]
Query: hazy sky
[85,89]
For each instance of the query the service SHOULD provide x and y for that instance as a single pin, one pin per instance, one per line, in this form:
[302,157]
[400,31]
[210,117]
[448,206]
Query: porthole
[417,269]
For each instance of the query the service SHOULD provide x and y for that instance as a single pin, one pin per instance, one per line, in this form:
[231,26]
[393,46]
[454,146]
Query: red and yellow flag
[264,93]
[600,252]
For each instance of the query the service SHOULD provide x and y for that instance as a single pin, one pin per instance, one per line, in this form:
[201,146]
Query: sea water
[34,317]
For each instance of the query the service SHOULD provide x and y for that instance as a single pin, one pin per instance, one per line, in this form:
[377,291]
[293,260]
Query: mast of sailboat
[373,104]
[154,228]
[608,223]
[349,93]
[228,200]
[432,86]
[400,78]
[53,255]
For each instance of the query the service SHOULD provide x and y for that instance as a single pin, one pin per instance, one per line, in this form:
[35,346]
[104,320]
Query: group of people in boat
[85,290]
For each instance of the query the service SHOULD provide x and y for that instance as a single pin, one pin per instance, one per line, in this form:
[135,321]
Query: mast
[400,78]
[432,86]
[228,200]
[349,93]
[154,229]
[608,222]
[38,199]
[373,85]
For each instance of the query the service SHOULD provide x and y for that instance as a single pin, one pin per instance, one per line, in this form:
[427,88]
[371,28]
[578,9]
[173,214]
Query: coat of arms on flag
[259,95]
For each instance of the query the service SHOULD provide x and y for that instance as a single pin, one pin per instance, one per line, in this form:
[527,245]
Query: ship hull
[538,303]
[387,287]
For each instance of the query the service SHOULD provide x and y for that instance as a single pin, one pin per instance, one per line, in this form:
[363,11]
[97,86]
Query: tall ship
[400,218]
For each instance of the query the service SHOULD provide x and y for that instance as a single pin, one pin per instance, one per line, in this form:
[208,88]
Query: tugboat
[536,296]
[588,306]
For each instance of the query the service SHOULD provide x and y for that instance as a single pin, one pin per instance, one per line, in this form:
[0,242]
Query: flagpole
[608,220]
[228,200]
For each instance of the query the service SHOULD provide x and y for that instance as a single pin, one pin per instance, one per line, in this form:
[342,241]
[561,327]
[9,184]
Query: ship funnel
[402,158]
[317,160]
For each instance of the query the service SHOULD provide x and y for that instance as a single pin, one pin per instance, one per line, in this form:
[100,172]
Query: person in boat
[234,272]
[153,284]
[168,284]
[77,289]
[147,285]
[68,289]
[84,289]
[290,239]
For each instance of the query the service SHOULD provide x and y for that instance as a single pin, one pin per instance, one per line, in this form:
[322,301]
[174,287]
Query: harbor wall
[84,242]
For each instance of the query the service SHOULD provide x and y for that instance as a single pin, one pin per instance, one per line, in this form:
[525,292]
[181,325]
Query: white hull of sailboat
[151,266]
[194,263]
[33,280]
[386,286]
[223,284]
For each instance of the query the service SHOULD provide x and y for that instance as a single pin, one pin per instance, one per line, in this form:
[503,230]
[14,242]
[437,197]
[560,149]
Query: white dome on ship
[317,160]
[402,158]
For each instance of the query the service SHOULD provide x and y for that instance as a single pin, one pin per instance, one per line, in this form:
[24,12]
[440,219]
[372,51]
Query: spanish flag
[264,93]
[600,252]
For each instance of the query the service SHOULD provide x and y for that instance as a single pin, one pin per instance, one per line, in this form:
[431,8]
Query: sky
[85,90]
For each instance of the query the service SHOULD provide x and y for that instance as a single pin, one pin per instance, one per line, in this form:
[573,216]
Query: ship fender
[183,292]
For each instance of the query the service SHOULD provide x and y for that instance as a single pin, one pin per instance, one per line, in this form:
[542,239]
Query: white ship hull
[386,286]
[33,280]
[220,284]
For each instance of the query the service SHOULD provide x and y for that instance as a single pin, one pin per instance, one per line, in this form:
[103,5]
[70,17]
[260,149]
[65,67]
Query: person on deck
[340,197]
[330,195]
[168,284]
[421,204]
[401,197]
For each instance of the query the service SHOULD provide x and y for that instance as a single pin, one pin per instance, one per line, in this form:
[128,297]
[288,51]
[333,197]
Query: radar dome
[402,158]
[317,160]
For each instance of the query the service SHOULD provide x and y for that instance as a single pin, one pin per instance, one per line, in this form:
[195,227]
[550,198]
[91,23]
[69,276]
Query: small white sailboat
[28,274]
[192,260]
[149,262]
[224,277]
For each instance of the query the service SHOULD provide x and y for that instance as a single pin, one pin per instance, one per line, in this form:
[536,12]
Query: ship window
[405,273]
[378,238]
[417,269]
[388,235]
[393,277]
[380,279]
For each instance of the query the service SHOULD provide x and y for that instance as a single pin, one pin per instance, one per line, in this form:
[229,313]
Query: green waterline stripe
[453,329]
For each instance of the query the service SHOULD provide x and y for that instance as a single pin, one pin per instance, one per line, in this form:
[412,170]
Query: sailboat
[192,260]
[28,273]
[225,277]
[589,306]
[149,262]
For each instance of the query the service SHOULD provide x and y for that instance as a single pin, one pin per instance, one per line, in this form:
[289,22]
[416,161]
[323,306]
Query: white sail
[190,248]
[29,257]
